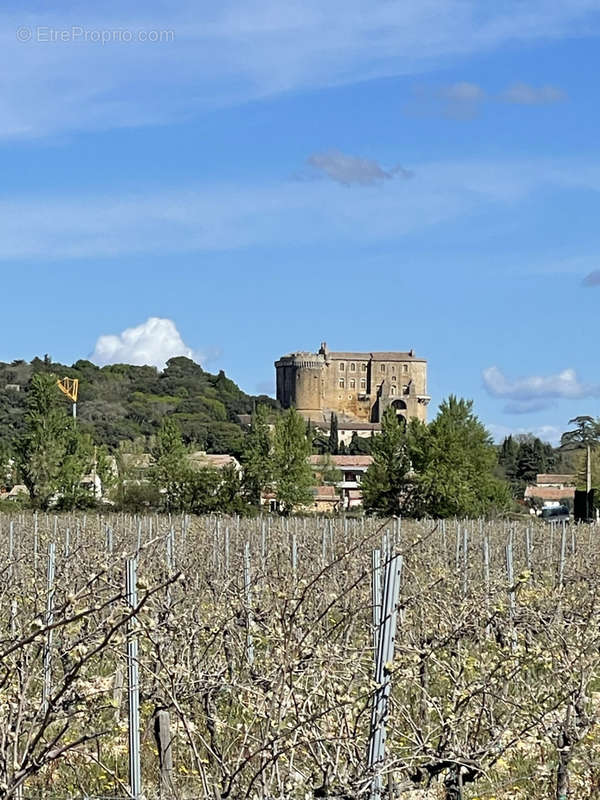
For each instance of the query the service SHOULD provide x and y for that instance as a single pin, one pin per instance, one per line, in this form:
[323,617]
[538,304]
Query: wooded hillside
[124,402]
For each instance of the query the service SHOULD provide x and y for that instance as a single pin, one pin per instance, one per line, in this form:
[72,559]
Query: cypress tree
[333,435]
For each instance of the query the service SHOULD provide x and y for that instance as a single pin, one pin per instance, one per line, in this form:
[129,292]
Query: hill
[123,402]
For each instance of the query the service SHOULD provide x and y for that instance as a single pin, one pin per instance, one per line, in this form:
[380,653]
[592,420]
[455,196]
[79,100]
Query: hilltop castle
[357,386]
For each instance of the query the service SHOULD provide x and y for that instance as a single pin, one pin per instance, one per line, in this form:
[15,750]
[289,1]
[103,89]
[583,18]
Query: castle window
[383,367]
[352,384]
[393,377]
[405,368]
[363,383]
[363,367]
[342,383]
[342,366]
[352,367]
[393,369]
[392,390]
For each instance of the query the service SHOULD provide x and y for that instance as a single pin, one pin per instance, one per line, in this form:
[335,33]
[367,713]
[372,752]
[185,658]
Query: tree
[333,434]
[77,462]
[386,481]
[229,496]
[169,470]
[585,435]
[508,457]
[359,446]
[41,448]
[458,475]
[201,490]
[328,473]
[292,474]
[257,456]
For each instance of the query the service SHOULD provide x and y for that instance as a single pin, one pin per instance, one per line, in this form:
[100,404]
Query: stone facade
[357,386]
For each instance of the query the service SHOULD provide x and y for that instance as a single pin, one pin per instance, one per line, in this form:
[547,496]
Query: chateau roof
[342,355]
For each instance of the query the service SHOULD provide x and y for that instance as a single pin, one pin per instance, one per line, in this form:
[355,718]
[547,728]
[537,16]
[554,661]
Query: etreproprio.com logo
[78,33]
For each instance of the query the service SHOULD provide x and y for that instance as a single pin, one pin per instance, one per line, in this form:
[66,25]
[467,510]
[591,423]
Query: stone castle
[356,386]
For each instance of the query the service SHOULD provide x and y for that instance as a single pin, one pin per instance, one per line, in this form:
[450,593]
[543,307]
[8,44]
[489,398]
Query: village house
[550,488]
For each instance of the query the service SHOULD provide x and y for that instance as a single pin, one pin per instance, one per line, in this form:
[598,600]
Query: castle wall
[358,385]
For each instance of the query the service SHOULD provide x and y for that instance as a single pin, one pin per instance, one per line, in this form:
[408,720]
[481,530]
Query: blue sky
[260,176]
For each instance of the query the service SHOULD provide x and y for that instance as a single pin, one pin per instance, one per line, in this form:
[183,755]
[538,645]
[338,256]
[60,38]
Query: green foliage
[138,497]
[328,473]
[458,465]
[77,461]
[359,445]
[43,444]
[386,480]
[333,435]
[168,472]
[256,459]
[521,458]
[120,402]
[291,471]
[444,470]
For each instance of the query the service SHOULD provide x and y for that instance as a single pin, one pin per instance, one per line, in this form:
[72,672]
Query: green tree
[584,436]
[201,490]
[387,480]
[359,445]
[169,470]
[230,498]
[77,462]
[329,474]
[257,463]
[333,434]
[459,461]
[508,457]
[292,473]
[105,468]
[42,445]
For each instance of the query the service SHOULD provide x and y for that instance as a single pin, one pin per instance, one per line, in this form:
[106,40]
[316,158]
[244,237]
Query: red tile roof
[545,478]
[342,461]
[550,492]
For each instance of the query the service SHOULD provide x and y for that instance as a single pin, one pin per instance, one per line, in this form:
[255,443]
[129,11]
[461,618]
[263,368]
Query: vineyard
[207,657]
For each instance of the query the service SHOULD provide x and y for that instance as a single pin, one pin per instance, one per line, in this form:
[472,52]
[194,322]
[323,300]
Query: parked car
[556,514]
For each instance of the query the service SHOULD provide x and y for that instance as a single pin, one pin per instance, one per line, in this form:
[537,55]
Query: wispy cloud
[353,170]
[535,392]
[153,343]
[592,279]
[526,95]
[238,50]
[229,216]
[462,100]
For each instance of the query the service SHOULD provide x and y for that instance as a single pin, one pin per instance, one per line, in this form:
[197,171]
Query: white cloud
[153,343]
[535,392]
[237,50]
[353,170]
[547,433]
[524,94]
